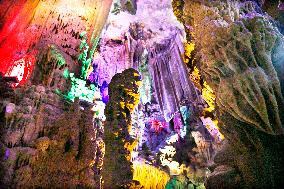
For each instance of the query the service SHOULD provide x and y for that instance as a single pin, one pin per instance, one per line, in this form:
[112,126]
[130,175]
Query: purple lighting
[7,153]
[104,92]
[94,76]
[281,6]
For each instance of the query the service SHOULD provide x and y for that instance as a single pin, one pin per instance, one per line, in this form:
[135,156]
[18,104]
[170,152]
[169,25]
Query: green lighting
[80,90]
[78,85]
[66,73]
[55,53]
[83,57]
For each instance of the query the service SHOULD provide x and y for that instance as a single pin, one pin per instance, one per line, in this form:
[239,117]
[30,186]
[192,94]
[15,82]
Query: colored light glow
[80,90]
[66,73]
[189,47]
[99,108]
[158,125]
[18,70]
[195,77]
[178,125]
[83,57]
[281,6]
[209,96]
[21,69]
[7,153]
[16,39]
[78,85]
[104,92]
[149,176]
[25,21]
[185,113]
[212,127]
[90,70]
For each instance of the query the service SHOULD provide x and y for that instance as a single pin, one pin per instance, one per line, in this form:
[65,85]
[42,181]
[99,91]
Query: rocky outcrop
[29,26]
[52,69]
[124,97]
[47,141]
[156,52]
[237,46]
[243,53]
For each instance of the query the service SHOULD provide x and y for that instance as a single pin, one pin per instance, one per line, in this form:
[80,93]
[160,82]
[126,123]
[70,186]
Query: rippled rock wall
[237,49]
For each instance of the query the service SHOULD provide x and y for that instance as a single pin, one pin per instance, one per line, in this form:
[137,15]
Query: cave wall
[29,26]
[144,43]
[236,45]
[238,50]
[47,141]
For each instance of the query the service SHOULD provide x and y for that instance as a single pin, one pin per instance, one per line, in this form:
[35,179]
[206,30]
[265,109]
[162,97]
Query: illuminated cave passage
[141,94]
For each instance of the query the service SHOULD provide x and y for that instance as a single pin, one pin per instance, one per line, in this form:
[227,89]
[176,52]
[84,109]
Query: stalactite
[169,72]
[29,26]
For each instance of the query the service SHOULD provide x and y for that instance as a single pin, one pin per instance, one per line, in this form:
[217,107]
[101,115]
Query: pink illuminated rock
[281,6]
[29,26]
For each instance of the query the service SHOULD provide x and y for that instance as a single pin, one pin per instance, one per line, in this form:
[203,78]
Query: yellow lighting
[174,168]
[149,176]
[195,77]
[189,47]
[207,92]
[90,70]
[209,97]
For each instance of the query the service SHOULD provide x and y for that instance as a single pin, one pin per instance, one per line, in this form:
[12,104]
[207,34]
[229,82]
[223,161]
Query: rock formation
[236,55]
[156,52]
[170,77]
[29,26]
[163,94]
[124,97]
[47,141]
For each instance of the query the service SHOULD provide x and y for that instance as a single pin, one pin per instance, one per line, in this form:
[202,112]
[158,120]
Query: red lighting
[158,125]
[16,39]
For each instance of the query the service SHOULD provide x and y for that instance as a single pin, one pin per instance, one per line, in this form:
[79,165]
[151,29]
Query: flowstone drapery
[237,49]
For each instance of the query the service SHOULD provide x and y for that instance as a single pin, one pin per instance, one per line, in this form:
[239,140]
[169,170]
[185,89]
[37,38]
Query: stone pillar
[124,97]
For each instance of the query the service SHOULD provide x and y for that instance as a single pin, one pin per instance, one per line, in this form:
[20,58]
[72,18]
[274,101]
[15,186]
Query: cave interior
[147,94]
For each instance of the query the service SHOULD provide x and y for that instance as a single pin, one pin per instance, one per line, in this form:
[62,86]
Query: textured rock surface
[124,97]
[50,69]
[47,141]
[237,58]
[236,49]
[170,77]
[29,26]
[144,43]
